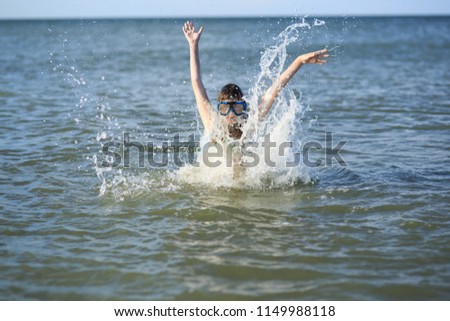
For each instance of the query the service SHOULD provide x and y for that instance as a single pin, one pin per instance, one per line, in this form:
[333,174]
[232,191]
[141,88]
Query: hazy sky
[204,8]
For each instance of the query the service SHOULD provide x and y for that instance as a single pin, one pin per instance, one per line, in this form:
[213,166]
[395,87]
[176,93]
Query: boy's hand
[315,57]
[191,35]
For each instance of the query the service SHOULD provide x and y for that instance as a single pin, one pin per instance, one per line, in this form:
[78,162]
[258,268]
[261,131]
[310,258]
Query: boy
[231,107]
[230,100]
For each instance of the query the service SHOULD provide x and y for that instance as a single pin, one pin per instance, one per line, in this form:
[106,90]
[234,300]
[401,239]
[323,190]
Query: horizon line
[389,15]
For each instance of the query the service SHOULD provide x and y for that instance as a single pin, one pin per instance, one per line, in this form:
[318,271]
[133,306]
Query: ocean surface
[372,223]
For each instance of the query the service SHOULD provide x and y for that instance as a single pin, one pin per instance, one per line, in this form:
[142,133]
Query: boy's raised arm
[316,57]
[201,97]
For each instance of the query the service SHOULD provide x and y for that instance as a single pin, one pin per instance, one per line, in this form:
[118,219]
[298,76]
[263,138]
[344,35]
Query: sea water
[375,226]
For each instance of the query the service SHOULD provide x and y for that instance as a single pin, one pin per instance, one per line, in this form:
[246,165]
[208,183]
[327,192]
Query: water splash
[283,125]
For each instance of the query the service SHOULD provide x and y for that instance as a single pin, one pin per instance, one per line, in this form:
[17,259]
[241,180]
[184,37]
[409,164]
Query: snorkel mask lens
[238,107]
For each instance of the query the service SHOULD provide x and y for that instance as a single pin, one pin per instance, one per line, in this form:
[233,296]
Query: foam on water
[283,124]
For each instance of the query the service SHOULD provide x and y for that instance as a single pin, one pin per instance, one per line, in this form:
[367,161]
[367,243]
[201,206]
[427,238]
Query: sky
[41,9]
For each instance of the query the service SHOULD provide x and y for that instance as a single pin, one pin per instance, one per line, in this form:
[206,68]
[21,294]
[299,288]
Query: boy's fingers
[200,30]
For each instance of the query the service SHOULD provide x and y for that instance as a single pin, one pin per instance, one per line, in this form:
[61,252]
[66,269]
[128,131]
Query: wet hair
[230,92]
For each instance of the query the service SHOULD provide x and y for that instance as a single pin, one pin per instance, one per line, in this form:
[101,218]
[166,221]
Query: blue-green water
[376,229]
